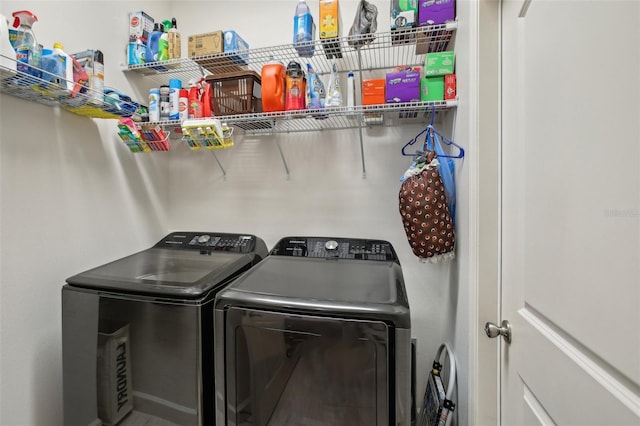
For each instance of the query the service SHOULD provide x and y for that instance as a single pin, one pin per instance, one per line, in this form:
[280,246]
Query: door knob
[493,330]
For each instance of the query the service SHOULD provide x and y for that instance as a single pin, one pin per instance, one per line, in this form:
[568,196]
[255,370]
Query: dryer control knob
[331,245]
[204,239]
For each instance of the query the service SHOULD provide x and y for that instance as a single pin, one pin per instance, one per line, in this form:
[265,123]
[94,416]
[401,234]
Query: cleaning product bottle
[65,79]
[97,76]
[151,52]
[26,46]
[272,79]
[205,97]
[303,30]
[295,89]
[183,105]
[7,53]
[175,48]
[163,42]
[316,93]
[195,104]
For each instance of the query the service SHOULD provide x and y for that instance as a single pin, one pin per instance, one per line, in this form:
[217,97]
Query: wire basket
[235,93]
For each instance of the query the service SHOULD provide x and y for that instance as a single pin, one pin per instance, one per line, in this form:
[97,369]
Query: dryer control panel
[335,248]
[237,243]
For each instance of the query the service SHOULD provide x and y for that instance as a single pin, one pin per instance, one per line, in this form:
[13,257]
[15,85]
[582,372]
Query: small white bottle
[66,68]
[351,91]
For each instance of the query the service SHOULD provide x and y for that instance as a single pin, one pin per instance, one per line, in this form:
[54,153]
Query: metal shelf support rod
[224,173]
[284,161]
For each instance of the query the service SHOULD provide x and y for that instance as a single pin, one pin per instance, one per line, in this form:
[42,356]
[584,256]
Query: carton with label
[403,86]
[140,26]
[330,24]
[206,44]
[403,13]
[373,92]
[234,43]
[439,63]
[432,88]
[436,12]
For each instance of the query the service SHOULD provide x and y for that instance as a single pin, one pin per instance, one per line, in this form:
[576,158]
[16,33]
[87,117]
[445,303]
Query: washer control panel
[207,241]
[335,248]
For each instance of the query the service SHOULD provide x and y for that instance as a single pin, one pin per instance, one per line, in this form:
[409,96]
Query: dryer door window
[285,369]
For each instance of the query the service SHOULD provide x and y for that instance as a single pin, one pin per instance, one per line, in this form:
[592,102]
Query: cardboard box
[234,43]
[175,45]
[432,89]
[436,12]
[329,19]
[450,90]
[140,26]
[373,92]
[403,13]
[403,86]
[330,24]
[115,398]
[440,63]
[206,44]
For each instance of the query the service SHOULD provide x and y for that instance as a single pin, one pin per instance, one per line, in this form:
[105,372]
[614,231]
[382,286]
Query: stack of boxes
[439,82]
[219,42]
[420,13]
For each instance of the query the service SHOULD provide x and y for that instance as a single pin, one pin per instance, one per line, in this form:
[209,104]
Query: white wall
[71,198]
[68,183]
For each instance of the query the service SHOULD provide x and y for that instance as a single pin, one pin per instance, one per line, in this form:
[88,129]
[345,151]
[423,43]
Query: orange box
[329,19]
[373,91]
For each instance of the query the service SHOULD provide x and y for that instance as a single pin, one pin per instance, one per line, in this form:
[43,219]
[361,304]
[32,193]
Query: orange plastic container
[273,87]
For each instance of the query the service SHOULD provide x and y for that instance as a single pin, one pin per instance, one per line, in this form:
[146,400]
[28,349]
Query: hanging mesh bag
[425,212]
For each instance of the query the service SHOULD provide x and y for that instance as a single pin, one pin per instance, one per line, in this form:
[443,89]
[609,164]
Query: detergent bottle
[26,46]
[273,87]
[151,52]
[7,53]
[195,103]
[65,68]
[296,90]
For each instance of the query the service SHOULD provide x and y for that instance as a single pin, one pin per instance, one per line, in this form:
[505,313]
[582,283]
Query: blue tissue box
[234,43]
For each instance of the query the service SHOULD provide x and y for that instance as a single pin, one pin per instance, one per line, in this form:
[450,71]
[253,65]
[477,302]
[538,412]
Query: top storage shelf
[386,50]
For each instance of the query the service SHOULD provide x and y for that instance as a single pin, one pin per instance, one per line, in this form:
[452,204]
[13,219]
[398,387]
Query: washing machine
[318,333]
[137,333]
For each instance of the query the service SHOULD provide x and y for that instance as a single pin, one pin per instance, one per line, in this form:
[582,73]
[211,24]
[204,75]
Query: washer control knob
[331,245]
[204,239]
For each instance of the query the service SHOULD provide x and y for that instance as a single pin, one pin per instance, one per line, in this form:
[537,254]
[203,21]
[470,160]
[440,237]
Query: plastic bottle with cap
[7,53]
[163,42]
[26,46]
[65,67]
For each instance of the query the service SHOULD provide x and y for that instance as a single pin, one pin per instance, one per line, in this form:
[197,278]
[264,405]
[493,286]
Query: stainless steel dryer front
[316,334]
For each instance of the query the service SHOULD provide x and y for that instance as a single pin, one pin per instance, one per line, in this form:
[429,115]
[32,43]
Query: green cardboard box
[440,63]
[432,89]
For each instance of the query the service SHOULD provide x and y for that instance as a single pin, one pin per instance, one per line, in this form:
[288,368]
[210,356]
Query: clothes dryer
[317,333]
[137,333]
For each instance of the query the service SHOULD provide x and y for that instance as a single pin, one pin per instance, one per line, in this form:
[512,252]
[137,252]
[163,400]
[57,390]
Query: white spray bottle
[7,54]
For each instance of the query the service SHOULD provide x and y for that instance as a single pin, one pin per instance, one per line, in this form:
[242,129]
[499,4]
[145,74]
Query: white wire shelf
[386,50]
[42,90]
[358,117]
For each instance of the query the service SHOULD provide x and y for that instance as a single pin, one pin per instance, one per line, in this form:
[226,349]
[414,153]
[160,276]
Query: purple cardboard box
[435,12]
[403,86]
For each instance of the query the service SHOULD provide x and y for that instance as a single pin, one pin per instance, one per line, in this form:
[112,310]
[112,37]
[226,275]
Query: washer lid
[357,288]
[180,265]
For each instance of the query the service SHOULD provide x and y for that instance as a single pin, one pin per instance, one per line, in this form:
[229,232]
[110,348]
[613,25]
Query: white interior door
[571,212]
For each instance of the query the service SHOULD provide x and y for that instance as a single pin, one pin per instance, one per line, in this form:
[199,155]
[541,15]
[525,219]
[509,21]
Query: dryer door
[286,369]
